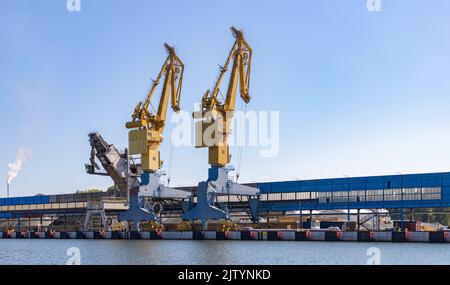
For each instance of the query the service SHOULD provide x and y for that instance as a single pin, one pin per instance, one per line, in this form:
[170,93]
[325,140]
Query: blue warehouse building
[373,192]
[408,191]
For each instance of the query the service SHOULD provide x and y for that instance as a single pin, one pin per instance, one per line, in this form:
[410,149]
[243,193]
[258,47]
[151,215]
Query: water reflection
[217,252]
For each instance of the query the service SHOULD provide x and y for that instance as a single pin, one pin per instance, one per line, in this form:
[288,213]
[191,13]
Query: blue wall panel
[373,183]
[24,200]
[431,180]
[411,181]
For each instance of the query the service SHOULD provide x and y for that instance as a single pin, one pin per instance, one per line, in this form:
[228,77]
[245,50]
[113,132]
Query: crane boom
[218,114]
[147,126]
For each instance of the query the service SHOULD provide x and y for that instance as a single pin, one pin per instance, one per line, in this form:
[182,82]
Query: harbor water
[191,252]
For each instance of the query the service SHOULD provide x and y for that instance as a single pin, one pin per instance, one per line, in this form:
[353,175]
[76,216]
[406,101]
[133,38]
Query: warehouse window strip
[377,195]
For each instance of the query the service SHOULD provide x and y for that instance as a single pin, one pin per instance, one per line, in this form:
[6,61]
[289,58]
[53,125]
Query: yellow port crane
[145,136]
[144,139]
[213,129]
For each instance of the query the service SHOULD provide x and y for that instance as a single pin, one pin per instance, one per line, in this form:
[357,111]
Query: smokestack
[22,157]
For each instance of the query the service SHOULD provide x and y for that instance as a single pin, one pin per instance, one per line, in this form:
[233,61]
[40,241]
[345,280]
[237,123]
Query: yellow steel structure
[145,136]
[214,126]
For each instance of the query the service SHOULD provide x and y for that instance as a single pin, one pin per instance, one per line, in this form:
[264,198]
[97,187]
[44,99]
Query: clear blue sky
[358,93]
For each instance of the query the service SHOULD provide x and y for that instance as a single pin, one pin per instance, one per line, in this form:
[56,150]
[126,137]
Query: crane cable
[169,172]
[241,141]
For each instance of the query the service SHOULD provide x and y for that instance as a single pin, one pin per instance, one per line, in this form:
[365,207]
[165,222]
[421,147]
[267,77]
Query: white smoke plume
[23,156]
